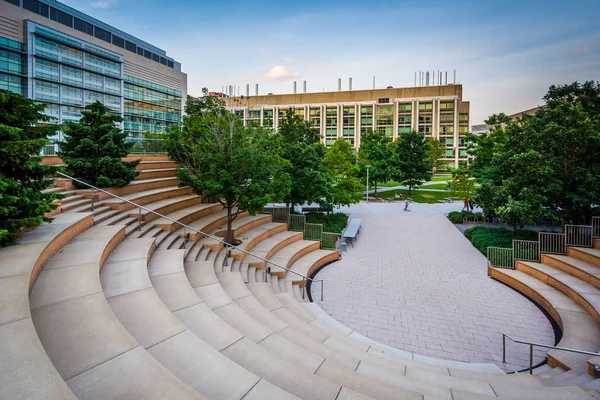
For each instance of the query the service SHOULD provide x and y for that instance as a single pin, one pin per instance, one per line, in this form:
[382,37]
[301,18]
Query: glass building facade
[67,60]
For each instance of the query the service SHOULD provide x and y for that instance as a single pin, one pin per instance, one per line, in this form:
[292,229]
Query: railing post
[503,348]
[530,359]
[321,289]
[303,287]
[139,219]
[92,198]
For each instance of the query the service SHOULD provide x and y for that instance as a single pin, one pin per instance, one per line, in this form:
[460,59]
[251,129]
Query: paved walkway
[414,282]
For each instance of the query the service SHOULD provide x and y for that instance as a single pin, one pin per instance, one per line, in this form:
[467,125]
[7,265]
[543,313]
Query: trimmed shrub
[334,223]
[457,217]
[483,237]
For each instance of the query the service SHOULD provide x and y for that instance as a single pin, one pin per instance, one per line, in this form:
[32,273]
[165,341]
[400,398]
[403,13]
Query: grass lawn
[386,184]
[418,196]
[441,178]
[440,186]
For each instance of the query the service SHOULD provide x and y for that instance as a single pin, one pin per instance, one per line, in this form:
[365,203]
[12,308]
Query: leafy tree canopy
[340,163]
[375,151]
[435,152]
[410,160]
[22,176]
[94,148]
[300,145]
[236,165]
[543,168]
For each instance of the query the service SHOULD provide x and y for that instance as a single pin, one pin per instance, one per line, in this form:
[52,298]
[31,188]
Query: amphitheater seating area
[111,302]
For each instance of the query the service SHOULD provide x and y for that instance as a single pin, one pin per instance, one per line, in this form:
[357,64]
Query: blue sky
[506,53]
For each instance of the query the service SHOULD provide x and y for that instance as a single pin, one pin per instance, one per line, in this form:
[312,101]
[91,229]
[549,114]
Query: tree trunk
[409,188]
[229,235]
[375,189]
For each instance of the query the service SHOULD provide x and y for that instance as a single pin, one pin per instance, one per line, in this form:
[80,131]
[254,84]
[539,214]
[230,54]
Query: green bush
[483,237]
[457,217]
[334,223]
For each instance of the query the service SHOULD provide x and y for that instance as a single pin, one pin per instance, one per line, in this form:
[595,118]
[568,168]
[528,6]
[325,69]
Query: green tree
[22,176]
[410,160]
[463,184]
[543,168]
[94,148]
[300,145]
[435,152]
[221,158]
[340,163]
[375,151]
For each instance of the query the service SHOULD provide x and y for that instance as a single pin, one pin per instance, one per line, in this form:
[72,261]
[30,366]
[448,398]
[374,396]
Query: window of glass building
[385,110]
[366,110]
[11,62]
[383,100]
[425,106]
[404,119]
[403,107]
[404,129]
[83,26]
[446,117]
[118,41]
[463,117]
[102,34]
[130,46]
[447,105]
[11,83]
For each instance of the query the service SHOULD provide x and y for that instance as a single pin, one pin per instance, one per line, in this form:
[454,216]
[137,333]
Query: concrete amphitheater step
[26,372]
[91,350]
[583,293]
[269,246]
[156,173]
[258,359]
[240,226]
[254,236]
[580,330]
[158,164]
[583,270]
[133,299]
[591,255]
[309,263]
[289,254]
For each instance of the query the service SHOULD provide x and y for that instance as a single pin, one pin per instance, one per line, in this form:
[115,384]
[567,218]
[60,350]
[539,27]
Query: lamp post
[368,166]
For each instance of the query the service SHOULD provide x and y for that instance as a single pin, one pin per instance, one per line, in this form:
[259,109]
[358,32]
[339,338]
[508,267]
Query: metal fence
[280,214]
[596,227]
[579,235]
[500,257]
[329,240]
[526,250]
[297,223]
[552,243]
[313,231]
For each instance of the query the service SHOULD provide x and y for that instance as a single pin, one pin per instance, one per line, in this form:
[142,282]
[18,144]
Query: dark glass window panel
[155,57]
[170,63]
[163,61]
[147,54]
[140,51]
[102,34]
[32,5]
[65,18]
[117,41]
[44,9]
[80,25]
[130,46]
[15,2]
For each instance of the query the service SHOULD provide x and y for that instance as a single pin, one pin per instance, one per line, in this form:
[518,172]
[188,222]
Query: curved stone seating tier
[586,254]
[580,330]
[134,301]
[146,164]
[289,254]
[216,325]
[583,270]
[26,372]
[269,246]
[256,235]
[156,173]
[91,350]
[240,225]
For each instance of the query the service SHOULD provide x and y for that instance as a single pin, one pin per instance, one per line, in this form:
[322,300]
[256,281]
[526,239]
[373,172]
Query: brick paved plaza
[414,282]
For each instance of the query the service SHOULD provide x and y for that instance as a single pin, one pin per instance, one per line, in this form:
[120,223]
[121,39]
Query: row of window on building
[71,21]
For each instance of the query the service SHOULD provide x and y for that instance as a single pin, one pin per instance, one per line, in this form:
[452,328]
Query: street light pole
[368,166]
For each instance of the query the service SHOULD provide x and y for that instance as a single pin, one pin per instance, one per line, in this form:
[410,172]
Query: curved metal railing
[228,246]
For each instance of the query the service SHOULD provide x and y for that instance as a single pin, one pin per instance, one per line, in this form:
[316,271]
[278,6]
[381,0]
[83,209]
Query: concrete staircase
[110,305]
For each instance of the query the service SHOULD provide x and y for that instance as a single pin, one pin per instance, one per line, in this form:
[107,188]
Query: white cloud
[103,4]
[280,73]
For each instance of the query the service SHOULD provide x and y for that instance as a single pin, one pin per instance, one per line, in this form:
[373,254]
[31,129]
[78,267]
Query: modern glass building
[59,56]
[435,111]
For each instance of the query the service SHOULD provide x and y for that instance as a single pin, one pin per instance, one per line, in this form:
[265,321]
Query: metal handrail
[227,245]
[531,344]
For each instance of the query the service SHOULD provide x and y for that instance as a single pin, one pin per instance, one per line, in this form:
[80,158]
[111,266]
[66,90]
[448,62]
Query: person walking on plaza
[471,204]
[406,205]
[466,204]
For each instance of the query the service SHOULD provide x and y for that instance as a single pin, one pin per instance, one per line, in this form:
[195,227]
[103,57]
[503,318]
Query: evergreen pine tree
[94,148]
[22,176]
